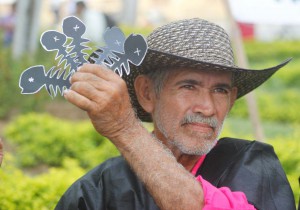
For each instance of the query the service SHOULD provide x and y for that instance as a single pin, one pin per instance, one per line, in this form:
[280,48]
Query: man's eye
[221,90]
[189,87]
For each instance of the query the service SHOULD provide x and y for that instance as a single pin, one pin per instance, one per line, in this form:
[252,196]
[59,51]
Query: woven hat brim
[245,80]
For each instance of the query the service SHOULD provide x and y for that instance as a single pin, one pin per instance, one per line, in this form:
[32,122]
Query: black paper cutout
[55,41]
[114,39]
[120,51]
[70,47]
[74,29]
[35,77]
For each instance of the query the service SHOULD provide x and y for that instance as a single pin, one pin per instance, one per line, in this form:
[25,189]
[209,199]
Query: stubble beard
[204,141]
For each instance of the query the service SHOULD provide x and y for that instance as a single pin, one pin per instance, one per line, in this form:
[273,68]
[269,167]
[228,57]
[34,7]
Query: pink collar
[198,164]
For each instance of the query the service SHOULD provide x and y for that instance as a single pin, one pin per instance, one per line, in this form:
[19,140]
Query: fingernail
[65,92]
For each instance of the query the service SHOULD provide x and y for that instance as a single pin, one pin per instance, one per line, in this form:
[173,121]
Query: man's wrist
[131,133]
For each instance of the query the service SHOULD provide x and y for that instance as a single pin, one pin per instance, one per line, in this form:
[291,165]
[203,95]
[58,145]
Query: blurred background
[49,143]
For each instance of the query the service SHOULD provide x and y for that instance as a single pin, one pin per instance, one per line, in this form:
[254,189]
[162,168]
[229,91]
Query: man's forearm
[170,184]
[103,94]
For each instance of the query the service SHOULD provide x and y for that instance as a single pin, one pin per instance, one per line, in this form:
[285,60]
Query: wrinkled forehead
[207,74]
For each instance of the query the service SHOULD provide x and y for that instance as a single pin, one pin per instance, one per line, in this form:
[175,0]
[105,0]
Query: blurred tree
[129,11]
[27,25]
[243,62]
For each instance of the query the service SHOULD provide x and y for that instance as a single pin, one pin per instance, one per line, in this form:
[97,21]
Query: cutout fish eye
[138,51]
[31,79]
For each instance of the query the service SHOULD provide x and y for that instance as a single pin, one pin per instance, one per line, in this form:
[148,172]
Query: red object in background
[247,30]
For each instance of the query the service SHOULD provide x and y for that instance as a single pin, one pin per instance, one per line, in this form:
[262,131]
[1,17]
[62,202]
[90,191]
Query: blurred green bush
[289,156]
[274,105]
[42,191]
[10,70]
[64,150]
[273,52]
[278,98]
[42,139]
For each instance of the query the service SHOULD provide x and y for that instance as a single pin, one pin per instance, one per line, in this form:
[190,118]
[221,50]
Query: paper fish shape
[35,78]
[119,51]
[70,46]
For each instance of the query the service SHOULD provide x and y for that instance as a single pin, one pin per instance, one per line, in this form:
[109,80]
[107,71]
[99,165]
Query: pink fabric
[198,164]
[220,198]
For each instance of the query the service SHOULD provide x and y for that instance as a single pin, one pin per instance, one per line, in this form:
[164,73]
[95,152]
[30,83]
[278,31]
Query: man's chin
[201,136]
[203,150]
[201,147]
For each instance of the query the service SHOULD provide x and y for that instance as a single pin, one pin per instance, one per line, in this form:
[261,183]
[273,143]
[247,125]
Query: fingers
[77,99]
[100,77]
[103,95]
[94,86]
[92,79]
[84,86]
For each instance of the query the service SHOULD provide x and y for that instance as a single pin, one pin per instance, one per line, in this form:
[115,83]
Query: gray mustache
[198,118]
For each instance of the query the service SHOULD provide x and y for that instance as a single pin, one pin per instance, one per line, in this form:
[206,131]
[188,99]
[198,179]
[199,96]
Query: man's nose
[204,104]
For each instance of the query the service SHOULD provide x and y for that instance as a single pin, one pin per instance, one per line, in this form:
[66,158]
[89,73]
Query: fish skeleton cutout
[70,46]
[35,77]
[119,51]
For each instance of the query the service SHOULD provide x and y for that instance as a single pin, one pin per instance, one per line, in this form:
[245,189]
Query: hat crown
[194,39]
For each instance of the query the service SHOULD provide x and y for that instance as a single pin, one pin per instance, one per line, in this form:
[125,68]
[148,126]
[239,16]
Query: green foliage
[21,191]
[272,52]
[278,99]
[127,30]
[239,109]
[289,156]
[42,139]
[67,149]
[281,106]
[10,93]
[286,78]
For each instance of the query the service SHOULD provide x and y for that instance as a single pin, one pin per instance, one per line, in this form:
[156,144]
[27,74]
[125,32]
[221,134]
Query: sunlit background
[49,143]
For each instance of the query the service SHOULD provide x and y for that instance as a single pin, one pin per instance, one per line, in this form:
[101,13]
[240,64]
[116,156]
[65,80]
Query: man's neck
[187,161]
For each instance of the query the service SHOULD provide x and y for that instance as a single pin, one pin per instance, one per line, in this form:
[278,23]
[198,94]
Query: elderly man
[186,86]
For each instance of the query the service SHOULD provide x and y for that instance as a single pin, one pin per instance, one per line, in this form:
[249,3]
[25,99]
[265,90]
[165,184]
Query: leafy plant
[21,191]
[43,139]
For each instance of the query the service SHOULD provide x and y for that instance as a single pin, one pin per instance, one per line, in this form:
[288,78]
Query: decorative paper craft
[119,51]
[116,55]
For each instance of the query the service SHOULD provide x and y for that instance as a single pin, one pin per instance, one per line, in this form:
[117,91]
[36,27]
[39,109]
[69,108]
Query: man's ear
[145,92]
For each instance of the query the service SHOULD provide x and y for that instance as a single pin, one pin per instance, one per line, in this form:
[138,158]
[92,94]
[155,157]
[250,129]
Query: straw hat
[194,43]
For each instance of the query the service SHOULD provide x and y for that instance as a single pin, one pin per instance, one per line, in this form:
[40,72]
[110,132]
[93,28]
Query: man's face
[189,112]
